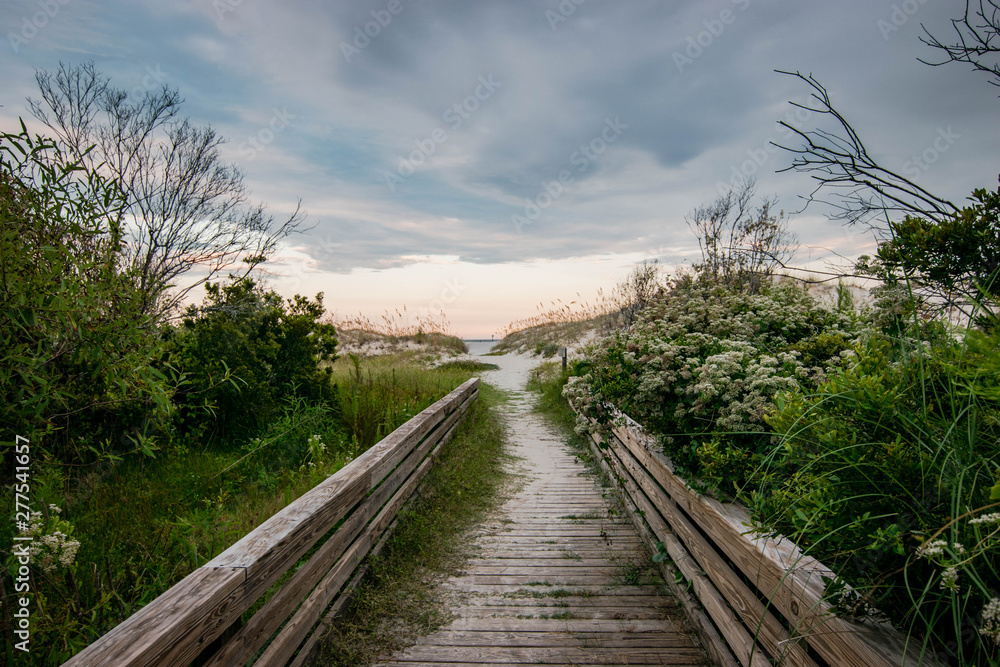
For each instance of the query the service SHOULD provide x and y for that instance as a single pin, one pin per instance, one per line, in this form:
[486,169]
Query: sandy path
[556,578]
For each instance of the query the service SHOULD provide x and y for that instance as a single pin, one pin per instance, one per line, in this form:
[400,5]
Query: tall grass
[143,524]
[612,310]
[396,603]
[396,329]
[889,475]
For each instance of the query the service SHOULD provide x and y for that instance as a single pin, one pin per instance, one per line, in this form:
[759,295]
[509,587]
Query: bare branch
[741,245]
[186,209]
[977,42]
[860,187]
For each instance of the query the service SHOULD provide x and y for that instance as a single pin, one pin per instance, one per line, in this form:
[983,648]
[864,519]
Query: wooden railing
[198,619]
[755,601]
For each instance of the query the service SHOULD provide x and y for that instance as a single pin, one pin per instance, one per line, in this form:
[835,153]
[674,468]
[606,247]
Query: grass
[467,365]
[548,380]
[526,593]
[396,331]
[397,601]
[144,524]
[378,394]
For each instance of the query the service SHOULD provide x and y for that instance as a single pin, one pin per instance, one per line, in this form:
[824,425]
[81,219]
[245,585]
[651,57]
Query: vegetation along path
[558,576]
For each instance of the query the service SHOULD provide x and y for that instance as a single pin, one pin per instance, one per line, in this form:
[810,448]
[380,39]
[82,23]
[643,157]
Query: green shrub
[468,365]
[242,352]
[77,374]
[888,474]
[700,368]
[954,260]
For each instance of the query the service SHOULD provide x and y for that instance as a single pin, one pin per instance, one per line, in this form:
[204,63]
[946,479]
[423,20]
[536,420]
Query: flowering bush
[887,473]
[701,366]
[53,547]
[870,441]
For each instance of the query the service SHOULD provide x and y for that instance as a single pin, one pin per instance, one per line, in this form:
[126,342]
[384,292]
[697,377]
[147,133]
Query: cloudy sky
[483,157]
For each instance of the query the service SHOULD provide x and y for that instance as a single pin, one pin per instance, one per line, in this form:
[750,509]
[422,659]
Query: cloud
[369,83]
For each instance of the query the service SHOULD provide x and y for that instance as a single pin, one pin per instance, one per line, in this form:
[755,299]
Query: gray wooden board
[547,580]
[177,626]
[567,654]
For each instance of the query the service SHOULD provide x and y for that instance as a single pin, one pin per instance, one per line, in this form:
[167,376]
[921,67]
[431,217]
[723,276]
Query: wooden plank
[314,513]
[739,640]
[546,567]
[556,540]
[281,649]
[518,596]
[548,662]
[566,654]
[417,428]
[765,628]
[270,617]
[551,579]
[306,654]
[582,625]
[463,584]
[791,580]
[175,627]
[531,611]
[527,639]
[272,547]
[712,642]
[556,559]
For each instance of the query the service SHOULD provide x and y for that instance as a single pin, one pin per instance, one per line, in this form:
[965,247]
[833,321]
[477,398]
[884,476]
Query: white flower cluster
[991,620]
[316,448]
[949,578]
[940,552]
[704,359]
[51,550]
[992,517]
[35,527]
[936,548]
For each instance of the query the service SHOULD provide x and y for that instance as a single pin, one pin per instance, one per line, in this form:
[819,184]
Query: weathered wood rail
[199,617]
[756,601]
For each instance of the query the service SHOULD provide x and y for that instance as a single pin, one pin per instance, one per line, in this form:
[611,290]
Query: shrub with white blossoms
[991,621]
[315,449]
[53,546]
[701,368]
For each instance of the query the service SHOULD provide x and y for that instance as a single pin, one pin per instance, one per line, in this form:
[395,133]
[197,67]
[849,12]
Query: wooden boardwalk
[557,577]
